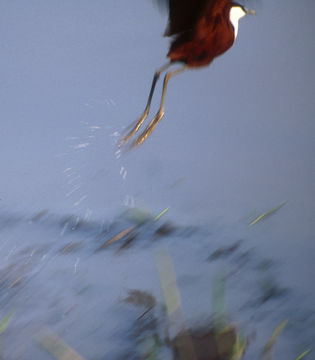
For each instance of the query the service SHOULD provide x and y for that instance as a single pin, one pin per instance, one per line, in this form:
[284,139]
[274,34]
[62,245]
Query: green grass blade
[5,322]
[266,214]
[173,303]
[239,348]
[55,346]
[267,350]
[161,214]
[303,354]
[168,281]
[219,312]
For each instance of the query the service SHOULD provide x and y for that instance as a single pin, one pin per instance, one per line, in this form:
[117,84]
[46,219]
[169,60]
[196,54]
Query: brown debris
[207,345]
[118,236]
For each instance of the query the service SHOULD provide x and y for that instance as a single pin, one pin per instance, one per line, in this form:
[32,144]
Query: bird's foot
[148,130]
[134,128]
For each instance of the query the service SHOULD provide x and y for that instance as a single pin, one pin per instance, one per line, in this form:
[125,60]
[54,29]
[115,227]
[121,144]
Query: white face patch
[236,13]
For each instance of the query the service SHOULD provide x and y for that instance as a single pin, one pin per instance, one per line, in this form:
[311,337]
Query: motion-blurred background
[237,138]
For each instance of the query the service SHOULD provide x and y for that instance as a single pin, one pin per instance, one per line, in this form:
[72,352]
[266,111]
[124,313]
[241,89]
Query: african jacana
[201,30]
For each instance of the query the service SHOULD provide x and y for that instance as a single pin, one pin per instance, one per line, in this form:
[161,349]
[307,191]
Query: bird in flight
[200,30]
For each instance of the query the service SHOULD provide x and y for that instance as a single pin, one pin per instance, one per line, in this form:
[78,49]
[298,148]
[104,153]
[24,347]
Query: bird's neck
[236,13]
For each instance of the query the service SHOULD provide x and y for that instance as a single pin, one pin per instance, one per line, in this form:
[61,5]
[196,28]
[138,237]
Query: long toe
[134,129]
[148,130]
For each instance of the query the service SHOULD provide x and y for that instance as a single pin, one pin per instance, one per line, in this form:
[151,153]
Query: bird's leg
[136,125]
[159,115]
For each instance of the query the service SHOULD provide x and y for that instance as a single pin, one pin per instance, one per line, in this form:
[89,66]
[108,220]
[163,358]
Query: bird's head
[238,11]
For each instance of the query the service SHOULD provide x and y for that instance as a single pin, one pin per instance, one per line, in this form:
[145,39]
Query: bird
[200,31]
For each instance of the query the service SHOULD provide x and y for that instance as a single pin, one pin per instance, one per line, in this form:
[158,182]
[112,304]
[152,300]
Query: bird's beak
[250,11]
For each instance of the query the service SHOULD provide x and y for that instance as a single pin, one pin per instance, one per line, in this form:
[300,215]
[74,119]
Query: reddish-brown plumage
[201,30]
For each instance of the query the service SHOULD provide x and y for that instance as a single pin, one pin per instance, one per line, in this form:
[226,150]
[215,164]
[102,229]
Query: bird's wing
[184,14]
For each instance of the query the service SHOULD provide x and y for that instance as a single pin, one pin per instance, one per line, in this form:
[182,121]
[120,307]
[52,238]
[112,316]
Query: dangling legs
[148,130]
[138,123]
